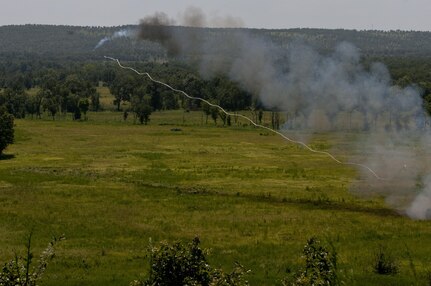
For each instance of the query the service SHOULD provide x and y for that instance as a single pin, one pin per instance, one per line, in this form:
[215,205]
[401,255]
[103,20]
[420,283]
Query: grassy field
[111,186]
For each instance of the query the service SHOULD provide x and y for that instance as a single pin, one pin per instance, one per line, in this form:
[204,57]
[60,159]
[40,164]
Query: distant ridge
[77,43]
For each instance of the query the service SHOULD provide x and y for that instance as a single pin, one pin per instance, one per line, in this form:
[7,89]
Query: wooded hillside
[77,43]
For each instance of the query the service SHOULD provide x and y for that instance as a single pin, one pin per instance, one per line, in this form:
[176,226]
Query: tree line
[34,88]
[31,89]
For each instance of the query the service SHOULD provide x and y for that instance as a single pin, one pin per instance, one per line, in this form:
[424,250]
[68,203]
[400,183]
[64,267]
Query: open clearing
[110,186]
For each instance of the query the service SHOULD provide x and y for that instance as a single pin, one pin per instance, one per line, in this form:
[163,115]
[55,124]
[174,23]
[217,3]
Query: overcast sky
[347,14]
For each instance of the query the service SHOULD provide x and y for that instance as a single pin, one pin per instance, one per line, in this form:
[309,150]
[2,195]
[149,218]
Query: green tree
[73,106]
[38,102]
[169,100]
[31,105]
[75,84]
[143,111]
[83,106]
[122,89]
[141,105]
[14,100]
[51,105]
[6,129]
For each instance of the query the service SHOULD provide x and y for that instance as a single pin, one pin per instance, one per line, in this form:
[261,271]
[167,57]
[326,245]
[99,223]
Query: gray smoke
[195,17]
[125,33]
[317,92]
[328,90]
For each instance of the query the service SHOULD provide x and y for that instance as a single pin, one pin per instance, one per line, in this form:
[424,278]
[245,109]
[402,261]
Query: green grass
[110,186]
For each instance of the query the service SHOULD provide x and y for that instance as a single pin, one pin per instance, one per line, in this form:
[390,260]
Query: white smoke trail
[102,42]
[248,119]
[125,33]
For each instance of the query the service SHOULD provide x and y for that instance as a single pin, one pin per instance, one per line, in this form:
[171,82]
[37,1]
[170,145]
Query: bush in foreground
[186,264]
[19,271]
[320,266]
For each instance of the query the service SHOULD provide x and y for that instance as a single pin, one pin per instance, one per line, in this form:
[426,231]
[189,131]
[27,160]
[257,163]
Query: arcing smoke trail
[246,118]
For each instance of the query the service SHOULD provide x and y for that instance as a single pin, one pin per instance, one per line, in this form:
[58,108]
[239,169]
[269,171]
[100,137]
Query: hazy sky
[348,14]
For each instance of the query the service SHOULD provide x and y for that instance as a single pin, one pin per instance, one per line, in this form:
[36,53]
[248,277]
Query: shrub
[320,266]
[384,263]
[186,264]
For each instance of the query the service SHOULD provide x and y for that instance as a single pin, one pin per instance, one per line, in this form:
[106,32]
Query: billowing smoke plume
[160,28]
[318,92]
[126,33]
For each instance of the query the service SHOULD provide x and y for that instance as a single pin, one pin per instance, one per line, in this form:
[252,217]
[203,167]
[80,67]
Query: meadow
[112,186]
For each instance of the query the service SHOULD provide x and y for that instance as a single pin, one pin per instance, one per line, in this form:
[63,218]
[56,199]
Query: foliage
[143,111]
[320,266]
[51,105]
[384,263]
[19,271]
[83,105]
[122,89]
[6,129]
[186,264]
[15,101]
[141,105]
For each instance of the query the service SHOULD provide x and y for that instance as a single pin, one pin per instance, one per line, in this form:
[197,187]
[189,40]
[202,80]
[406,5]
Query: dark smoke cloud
[178,41]
[321,93]
[159,28]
